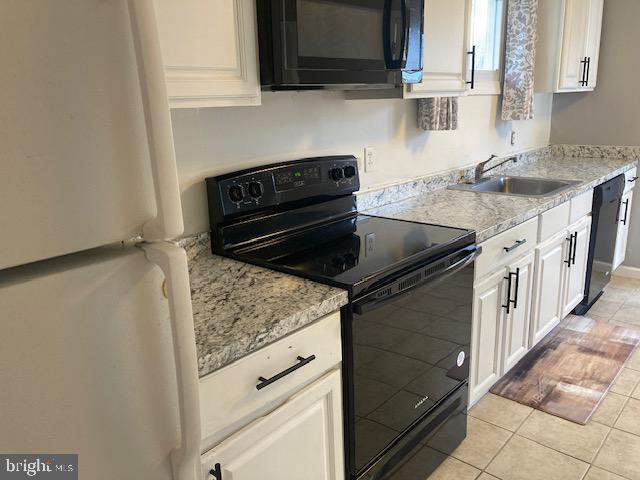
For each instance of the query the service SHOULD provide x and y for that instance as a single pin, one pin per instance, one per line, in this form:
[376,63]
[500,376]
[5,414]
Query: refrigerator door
[86,152]
[89,363]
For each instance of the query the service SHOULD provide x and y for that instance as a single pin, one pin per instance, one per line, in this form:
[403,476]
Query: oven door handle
[371,302]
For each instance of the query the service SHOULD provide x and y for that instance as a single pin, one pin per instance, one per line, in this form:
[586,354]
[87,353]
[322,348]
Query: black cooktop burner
[352,253]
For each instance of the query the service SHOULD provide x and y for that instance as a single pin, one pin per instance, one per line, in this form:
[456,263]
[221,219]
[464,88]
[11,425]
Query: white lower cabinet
[548,296]
[488,318]
[516,324]
[577,271]
[302,439]
[524,289]
[623,230]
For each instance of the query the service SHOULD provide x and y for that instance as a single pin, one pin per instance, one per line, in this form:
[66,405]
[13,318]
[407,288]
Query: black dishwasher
[604,231]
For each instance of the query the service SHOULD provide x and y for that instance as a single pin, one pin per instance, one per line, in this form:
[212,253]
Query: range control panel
[275,185]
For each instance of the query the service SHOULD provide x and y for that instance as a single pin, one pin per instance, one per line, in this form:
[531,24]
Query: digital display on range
[296,177]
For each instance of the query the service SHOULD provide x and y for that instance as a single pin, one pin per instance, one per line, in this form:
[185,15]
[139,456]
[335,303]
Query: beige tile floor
[510,441]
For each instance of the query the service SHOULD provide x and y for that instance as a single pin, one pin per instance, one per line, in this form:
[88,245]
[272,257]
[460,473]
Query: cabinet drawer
[494,250]
[631,180]
[553,221]
[229,398]
[302,439]
[581,206]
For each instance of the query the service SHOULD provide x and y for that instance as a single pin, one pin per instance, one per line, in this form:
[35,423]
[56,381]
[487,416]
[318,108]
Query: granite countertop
[490,214]
[239,308]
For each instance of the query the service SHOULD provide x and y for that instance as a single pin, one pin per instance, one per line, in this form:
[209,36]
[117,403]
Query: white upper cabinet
[485,46]
[444,63]
[210,52]
[568,45]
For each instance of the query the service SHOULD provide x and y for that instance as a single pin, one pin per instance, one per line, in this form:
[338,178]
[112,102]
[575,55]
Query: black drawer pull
[472,82]
[509,284]
[515,245]
[575,247]
[626,212]
[583,63]
[265,382]
[515,300]
[216,472]
[570,257]
[632,180]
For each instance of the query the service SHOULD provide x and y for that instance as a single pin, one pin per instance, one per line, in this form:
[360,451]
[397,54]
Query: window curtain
[519,62]
[438,113]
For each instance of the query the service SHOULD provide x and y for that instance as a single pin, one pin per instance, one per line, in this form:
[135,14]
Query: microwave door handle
[386,34]
[406,23]
[365,306]
[389,34]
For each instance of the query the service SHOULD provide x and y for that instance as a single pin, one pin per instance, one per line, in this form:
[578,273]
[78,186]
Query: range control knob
[335,174]
[350,171]
[255,189]
[236,193]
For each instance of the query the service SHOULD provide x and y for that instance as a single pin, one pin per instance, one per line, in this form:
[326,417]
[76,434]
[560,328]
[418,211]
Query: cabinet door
[576,274]
[593,40]
[623,230]
[574,38]
[444,49]
[550,271]
[209,49]
[301,439]
[489,297]
[516,324]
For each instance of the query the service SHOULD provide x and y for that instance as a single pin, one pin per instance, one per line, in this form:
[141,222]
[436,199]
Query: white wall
[611,114]
[293,125]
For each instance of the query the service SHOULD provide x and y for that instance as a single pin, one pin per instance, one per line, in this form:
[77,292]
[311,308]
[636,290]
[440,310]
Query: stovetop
[357,252]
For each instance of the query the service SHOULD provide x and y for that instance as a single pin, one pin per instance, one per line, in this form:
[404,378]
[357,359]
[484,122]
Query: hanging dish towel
[438,113]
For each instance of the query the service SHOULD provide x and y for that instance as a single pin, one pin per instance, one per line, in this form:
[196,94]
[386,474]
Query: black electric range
[406,330]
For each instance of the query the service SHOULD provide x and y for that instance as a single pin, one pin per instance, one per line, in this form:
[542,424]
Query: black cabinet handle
[509,284]
[216,472]
[626,211]
[515,300]
[265,382]
[632,180]
[568,261]
[574,236]
[586,81]
[472,82]
[583,63]
[515,245]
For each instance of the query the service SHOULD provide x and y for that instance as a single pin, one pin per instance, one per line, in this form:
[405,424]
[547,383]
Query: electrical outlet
[370,159]
[513,137]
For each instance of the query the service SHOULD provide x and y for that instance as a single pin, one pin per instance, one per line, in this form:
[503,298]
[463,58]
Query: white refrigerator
[97,351]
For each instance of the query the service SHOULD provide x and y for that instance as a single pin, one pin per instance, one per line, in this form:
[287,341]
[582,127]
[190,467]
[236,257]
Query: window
[486,34]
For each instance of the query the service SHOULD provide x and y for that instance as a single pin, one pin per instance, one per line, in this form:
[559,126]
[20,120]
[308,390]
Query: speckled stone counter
[490,214]
[239,308]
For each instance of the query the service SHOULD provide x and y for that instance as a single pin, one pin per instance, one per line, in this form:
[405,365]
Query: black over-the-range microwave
[339,43]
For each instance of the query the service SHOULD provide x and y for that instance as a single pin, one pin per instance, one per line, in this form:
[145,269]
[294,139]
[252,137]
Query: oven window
[340,29]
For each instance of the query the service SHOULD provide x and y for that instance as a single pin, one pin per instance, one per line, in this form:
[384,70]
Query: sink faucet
[480,170]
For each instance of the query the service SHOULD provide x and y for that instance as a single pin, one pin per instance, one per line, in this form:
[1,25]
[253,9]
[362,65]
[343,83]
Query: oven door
[347,42]
[408,356]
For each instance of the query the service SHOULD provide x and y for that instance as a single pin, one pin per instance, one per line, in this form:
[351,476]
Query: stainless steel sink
[520,186]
